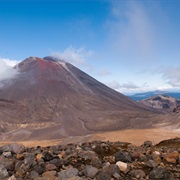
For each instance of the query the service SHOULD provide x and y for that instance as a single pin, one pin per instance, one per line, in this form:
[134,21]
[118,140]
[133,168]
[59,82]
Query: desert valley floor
[135,136]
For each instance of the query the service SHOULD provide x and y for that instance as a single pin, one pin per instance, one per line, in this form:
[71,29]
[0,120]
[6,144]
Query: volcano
[50,99]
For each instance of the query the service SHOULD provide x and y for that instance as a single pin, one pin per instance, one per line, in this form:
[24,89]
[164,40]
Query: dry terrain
[52,102]
[136,137]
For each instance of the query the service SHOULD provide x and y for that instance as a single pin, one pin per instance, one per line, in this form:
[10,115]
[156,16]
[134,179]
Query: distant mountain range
[145,95]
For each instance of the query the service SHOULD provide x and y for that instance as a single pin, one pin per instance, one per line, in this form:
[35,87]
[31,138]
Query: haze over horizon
[131,46]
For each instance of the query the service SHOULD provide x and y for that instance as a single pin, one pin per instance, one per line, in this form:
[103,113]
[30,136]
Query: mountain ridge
[54,99]
[148,94]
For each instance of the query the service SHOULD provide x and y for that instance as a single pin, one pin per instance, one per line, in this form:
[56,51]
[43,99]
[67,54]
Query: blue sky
[130,45]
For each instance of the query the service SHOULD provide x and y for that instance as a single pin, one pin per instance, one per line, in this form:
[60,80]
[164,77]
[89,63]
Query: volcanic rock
[15,148]
[151,164]
[103,175]
[122,156]
[161,173]
[3,172]
[90,171]
[138,173]
[49,175]
[69,173]
[171,157]
[75,168]
[111,169]
[33,175]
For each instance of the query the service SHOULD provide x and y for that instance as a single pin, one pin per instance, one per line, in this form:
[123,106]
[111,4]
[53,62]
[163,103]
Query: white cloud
[75,56]
[171,75]
[142,35]
[9,62]
[114,85]
[140,32]
[103,72]
[6,69]
[80,58]
[129,85]
[124,86]
[132,31]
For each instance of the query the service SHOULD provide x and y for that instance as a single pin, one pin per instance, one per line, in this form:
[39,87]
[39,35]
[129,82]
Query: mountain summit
[51,98]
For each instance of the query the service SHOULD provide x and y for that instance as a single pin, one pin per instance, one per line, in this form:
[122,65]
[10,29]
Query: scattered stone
[12,178]
[161,173]
[171,157]
[8,163]
[39,169]
[122,156]
[122,166]
[39,156]
[33,174]
[137,173]
[57,162]
[74,178]
[116,176]
[111,169]
[87,154]
[156,153]
[91,160]
[69,173]
[50,167]
[151,164]
[18,165]
[105,165]
[3,172]
[49,175]
[156,156]
[90,171]
[21,172]
[18,149]
[20,156]
[15,148]
[103,176]
[47,156]
[96,162]
[7,154]
[62,155]
[147,144]
[29,162]
[135,155]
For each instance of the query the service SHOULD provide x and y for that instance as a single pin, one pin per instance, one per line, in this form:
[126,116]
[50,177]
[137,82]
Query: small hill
[161,102]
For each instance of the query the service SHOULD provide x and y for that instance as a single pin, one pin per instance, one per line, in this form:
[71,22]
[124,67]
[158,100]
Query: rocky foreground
[92,160]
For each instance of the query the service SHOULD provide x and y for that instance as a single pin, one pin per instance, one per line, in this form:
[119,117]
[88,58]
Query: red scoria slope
[50,99]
